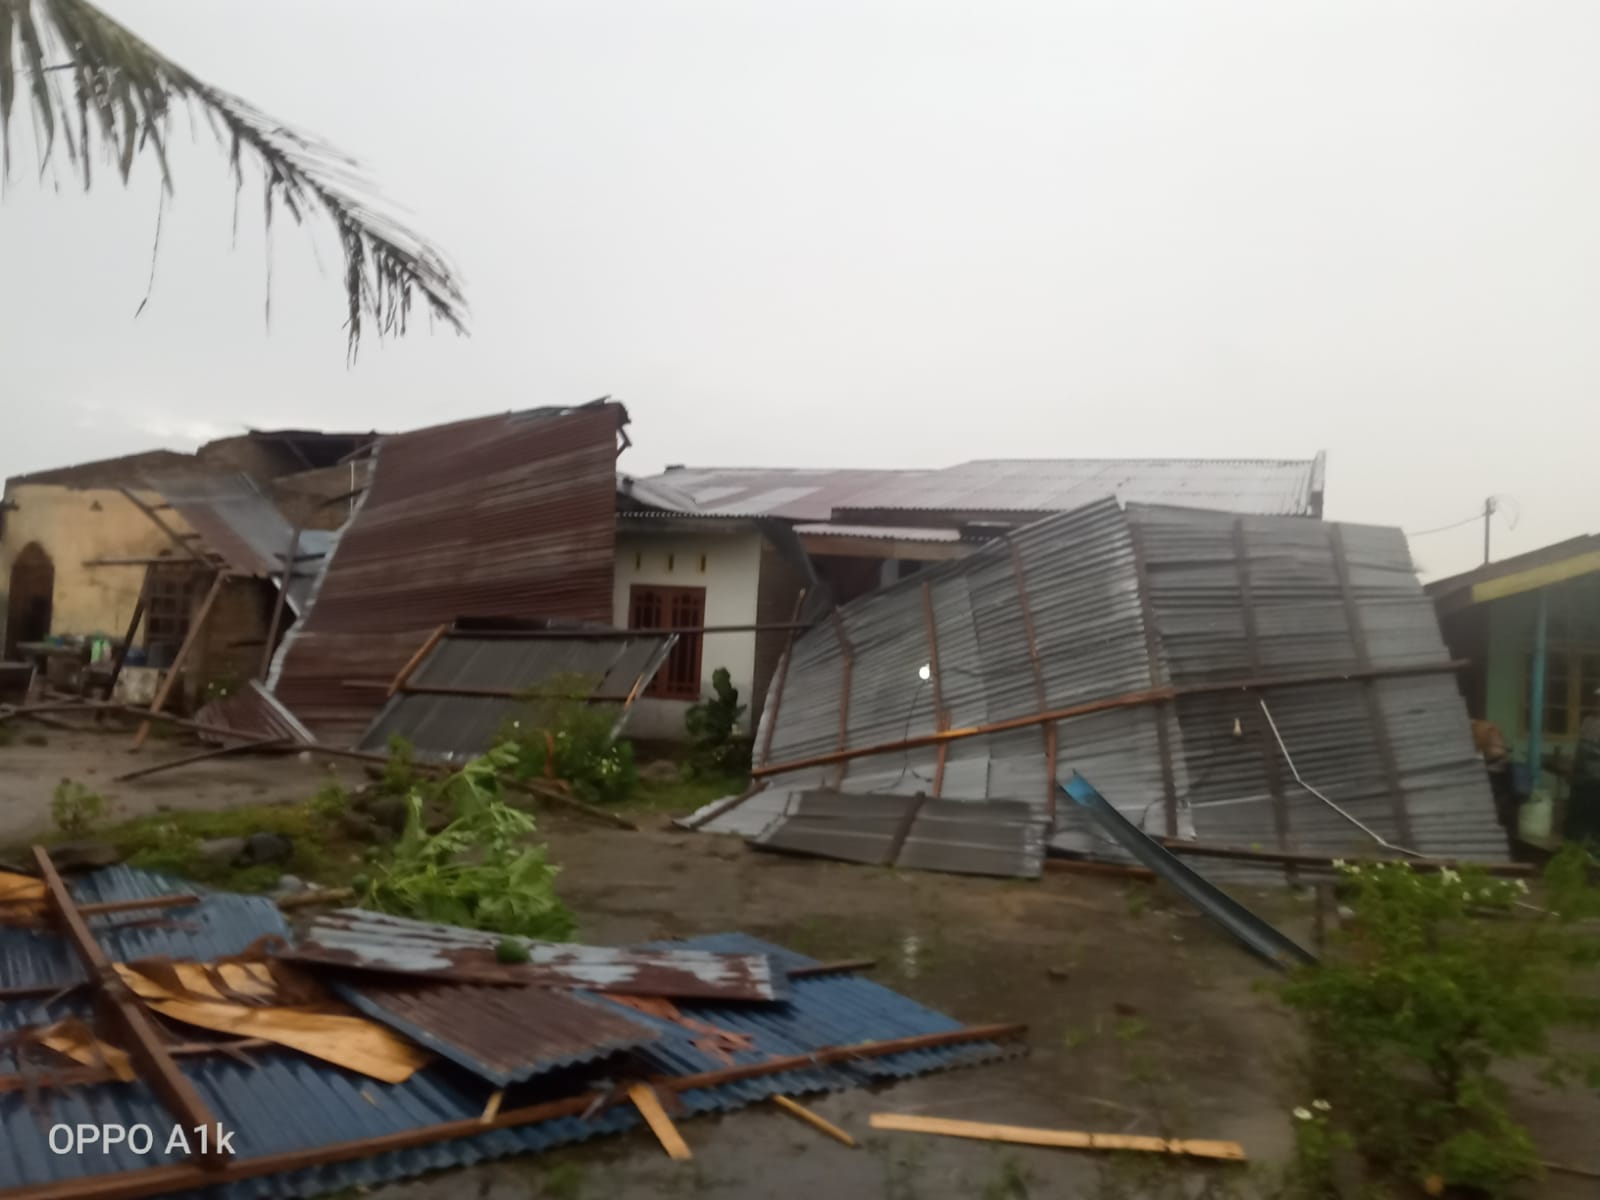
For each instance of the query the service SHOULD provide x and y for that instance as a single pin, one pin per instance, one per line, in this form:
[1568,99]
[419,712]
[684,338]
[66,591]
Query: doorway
[28,604]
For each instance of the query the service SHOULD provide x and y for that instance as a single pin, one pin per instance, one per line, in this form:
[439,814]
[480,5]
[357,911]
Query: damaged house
[1249,681]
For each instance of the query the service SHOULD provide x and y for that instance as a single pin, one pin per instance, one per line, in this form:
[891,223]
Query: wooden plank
[415,660]
[649,1105]
[177,539]
[215,752]
[175,672]
[1065,1139]
[813,1120]
[142,1042]
[492,1109]
[771,718]
[127,638]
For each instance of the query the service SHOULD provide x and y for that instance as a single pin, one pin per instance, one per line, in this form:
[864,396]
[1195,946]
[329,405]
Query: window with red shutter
[652,607]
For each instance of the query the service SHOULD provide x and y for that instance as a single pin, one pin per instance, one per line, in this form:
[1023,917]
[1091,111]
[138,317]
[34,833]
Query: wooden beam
[175,672]
[202,756]
[415,661]
[1536,577]
[1065,1139]
[177,539]
[783,678]
[813,1120]
[139,606]
[649,1105]
[143,1043]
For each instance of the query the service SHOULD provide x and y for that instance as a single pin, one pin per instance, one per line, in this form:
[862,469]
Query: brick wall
[229,650]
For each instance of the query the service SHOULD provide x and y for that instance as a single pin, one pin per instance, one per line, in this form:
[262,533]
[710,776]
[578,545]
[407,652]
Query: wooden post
[127,638]
[175,672]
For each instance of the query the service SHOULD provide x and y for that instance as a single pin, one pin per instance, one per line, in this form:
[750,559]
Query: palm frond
[95,86]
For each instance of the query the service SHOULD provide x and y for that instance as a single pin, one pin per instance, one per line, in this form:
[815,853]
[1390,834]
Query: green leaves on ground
[482,870]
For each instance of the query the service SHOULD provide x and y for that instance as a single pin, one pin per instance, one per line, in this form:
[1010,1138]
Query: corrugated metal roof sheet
[242,526]
[1274,487]
[254,712]
[503,516]
[798,494]
[1093,615]
[613,664]
[894,533]
[997,837]
[504,1034]
[379,942]
[283,1101]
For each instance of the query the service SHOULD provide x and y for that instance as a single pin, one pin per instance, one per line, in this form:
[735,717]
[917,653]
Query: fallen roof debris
[1066,1139]
[303,1126]
[1136,647]
[456,697]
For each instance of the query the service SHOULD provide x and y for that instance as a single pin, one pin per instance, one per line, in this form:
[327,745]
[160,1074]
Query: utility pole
[1488,514]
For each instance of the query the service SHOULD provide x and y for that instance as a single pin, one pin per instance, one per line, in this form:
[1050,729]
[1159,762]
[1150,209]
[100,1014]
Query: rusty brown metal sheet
[369,941]
[505,516]
[253,712]
[503,1034]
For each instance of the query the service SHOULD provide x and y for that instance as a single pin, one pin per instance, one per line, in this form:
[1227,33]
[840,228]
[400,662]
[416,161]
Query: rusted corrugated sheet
[503,1034]
[254,712]
[373,941]
[504,516]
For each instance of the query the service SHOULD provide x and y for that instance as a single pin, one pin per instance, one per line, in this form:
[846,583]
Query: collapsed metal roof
[1287,487]
[456,700]
[303,1127]
[245,529]
[506,516]
[1191,663]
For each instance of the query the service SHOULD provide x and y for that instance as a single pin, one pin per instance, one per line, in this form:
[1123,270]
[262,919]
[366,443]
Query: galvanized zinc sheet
[610,665]
[503,516]
[242,526]
[1123,602]
[1275,487]
[504,1034]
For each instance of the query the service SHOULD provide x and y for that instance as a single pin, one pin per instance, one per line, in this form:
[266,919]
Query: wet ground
[1143,1018]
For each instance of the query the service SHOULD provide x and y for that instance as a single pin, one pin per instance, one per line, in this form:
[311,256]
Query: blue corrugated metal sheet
[287,1102]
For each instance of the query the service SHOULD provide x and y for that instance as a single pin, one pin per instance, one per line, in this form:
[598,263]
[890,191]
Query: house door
[33,585]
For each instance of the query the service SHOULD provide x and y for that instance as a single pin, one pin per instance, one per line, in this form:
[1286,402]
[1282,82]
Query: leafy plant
[330,802]
[88,79]
[75,809]
[713,726]
[481,869]
[566,738]
[400,775]
[1439,979]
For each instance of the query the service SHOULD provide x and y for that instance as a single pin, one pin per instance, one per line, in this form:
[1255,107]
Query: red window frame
[651,606]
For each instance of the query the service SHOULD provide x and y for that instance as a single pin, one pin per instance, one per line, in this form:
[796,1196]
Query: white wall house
[689,578]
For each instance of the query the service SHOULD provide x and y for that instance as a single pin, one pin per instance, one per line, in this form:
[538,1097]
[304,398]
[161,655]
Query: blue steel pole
[1536,700]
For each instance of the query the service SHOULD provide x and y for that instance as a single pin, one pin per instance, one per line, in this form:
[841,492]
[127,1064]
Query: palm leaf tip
[120,92]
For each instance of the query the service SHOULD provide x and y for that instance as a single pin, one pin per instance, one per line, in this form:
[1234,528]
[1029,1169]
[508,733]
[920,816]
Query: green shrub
[400,772]
[586,757]
[481,869]
[75,809]
[713,726]
[330,802]
[1436,981]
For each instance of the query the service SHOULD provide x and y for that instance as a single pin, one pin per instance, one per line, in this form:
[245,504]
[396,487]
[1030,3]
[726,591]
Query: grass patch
[170,842]
[678,796]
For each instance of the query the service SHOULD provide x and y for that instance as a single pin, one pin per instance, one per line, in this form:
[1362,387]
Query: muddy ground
[1143,1018]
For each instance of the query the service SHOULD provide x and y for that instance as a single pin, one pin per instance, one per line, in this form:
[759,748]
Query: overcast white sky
[856,232]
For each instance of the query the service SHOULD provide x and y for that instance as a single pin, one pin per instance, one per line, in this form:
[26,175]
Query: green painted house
[1529,630]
